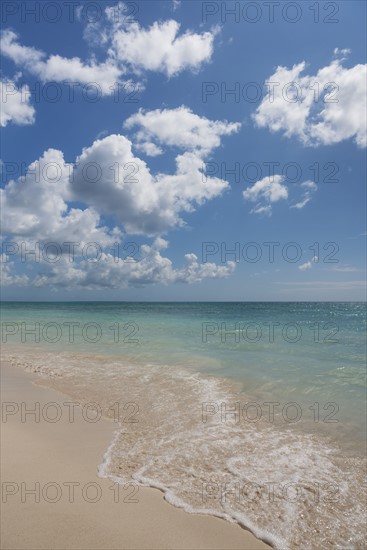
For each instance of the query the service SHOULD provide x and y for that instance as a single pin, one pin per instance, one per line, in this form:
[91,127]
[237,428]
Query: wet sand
[76,508]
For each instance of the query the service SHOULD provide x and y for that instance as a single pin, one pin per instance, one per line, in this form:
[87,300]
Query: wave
[292,489]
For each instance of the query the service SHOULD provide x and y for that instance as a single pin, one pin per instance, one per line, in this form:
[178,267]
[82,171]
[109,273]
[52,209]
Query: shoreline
[63,458]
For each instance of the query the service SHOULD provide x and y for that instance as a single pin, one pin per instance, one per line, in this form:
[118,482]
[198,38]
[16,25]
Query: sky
[167,150]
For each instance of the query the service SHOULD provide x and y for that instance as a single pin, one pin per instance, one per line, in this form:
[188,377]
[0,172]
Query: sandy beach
[52,496]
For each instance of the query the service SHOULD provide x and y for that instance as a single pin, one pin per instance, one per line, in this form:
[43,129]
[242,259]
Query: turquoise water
[306,362]
[290,352]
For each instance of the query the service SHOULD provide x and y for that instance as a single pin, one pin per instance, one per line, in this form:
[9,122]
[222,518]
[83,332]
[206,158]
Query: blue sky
[180,135]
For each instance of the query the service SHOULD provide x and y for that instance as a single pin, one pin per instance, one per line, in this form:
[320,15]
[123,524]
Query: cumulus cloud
[111,272]
[151,269]
[126,189]
[108,179]
[266,192]
[305,266]
[178,128]
[8,278]
[35,206]
[128,48]
[57,68]
[15,104]
[149,148]
[308,265]
[161,47]
[147,203]
[319,109]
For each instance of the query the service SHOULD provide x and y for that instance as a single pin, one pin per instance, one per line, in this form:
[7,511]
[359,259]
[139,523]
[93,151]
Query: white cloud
[15,104]
[57,68]
[160,47]
[308,265]
[267,191]
[128,47]
[180,128]
[125,188]
[149,148]
[21,55]
[7,276]
[262,210]
[153,268]
[309,184]
[271,189]
[143,202]
[342,53]
[308,112]
[35,207]
[302,203]
[109,179]
[309,188]
[112,272]
[305,266]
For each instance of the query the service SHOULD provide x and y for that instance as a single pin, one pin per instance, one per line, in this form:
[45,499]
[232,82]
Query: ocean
[254,412]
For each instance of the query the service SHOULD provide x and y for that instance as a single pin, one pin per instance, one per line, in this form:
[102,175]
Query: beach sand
[56,455]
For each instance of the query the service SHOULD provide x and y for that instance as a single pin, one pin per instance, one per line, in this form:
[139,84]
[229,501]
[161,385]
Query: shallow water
[262,428]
